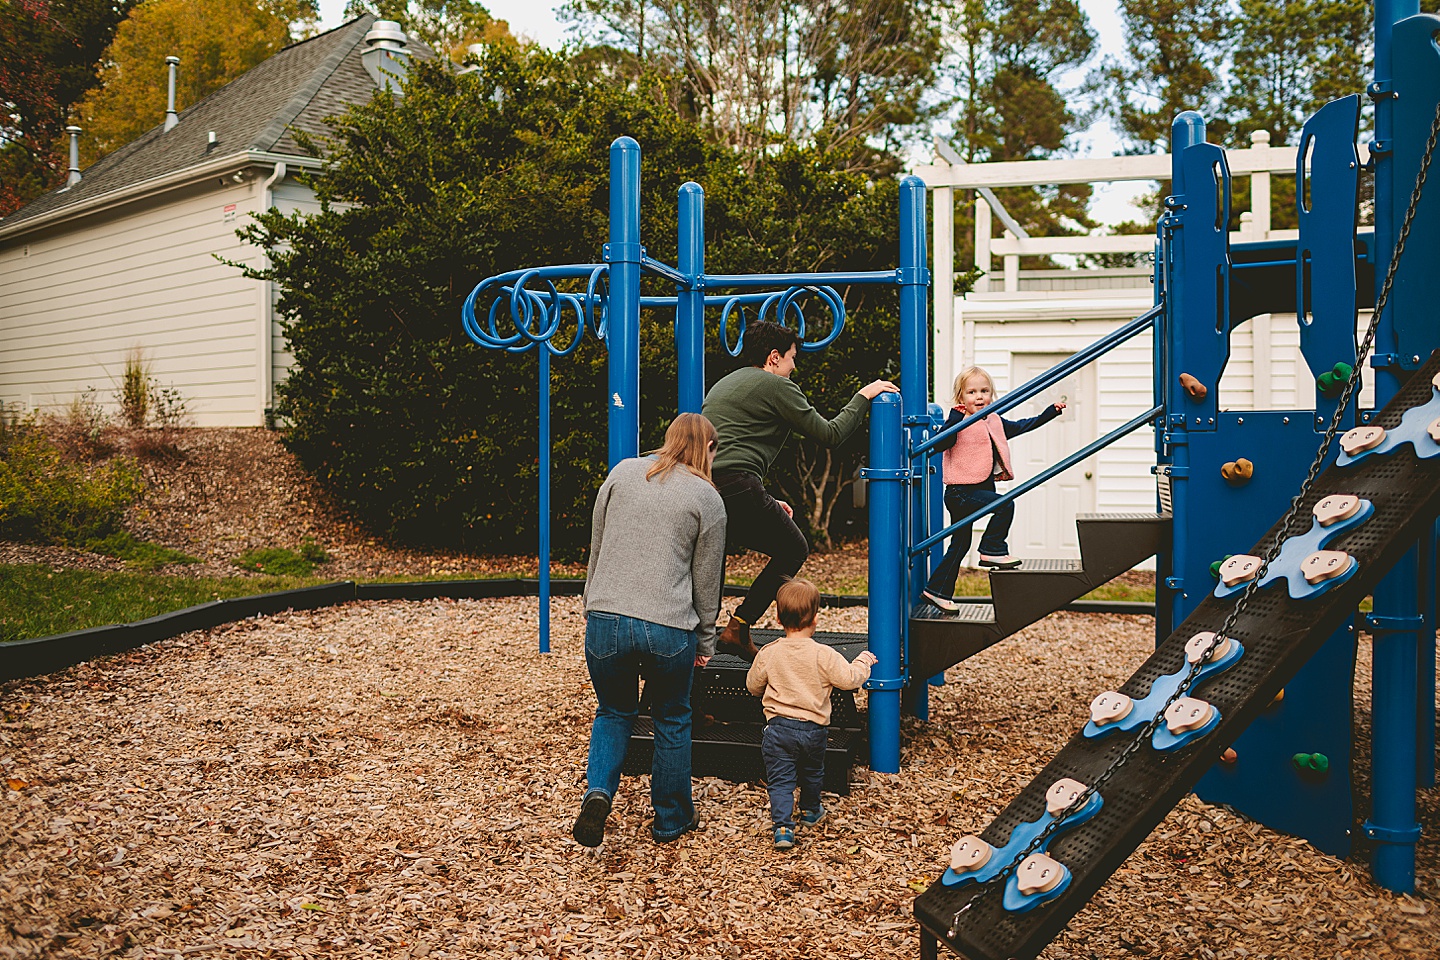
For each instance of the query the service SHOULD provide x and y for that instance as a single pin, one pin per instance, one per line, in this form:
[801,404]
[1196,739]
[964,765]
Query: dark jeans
[620,651]
[755,521]
[794,752]
[962,500]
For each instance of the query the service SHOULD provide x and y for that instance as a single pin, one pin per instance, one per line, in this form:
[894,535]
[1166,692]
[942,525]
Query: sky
[536,20]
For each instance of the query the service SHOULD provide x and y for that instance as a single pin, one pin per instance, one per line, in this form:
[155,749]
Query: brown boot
[735,640]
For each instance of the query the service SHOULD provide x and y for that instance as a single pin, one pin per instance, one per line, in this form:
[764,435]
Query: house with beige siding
[131,255]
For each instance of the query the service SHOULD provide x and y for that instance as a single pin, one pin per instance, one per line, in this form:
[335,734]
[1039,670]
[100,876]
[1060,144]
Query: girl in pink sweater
[974,459]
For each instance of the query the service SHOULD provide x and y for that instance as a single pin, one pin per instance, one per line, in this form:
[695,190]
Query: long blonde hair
[687,441]
[969,373]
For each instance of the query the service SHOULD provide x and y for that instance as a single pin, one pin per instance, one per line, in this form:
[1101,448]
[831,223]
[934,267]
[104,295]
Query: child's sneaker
[811,817]
[784,838]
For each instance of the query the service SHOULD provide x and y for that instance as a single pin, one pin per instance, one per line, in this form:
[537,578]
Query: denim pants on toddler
[620,651]
[794,752]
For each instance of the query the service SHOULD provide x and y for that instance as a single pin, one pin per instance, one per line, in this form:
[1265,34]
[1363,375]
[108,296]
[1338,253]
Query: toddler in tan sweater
[794,676]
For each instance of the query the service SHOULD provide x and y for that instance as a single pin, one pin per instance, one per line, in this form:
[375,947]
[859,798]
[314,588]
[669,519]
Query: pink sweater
[971,460]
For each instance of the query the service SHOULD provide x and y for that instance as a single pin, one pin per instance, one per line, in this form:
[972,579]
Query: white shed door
[1045,517]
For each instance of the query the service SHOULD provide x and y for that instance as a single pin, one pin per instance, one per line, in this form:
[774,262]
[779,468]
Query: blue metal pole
[690,305]
[622,336]
[544,351]
[886,479]
[914,277]
[932,493]
[1397,620]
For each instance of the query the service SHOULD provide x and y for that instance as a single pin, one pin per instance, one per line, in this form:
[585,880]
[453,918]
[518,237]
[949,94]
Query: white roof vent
[74,176]
[386,56]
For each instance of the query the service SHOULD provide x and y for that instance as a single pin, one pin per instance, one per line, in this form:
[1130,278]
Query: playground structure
[1225,653]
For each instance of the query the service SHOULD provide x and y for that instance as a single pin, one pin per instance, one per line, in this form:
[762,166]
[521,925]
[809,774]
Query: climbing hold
[1238,472]
[1434,431]
[1317,762]
[1337,507]
[1239,569]
[1215,565]
[1196,389]
[970,853]
[1325,565]
[1039,873]
[1361,439]
[1061,794]
[1109,707]
[1279,697]
[1229,756]
[1196,646]
[1186,714]
[1332,382]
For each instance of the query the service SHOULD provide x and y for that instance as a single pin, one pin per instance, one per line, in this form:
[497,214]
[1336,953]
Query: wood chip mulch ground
[399,779]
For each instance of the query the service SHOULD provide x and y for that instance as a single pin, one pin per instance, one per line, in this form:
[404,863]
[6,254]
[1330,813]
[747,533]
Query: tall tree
[844,76]
[51,52]
[216,41]
[1174,59]
[448,27]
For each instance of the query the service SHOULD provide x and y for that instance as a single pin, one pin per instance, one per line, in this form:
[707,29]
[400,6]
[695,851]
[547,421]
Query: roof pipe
[171,117]
[74,177]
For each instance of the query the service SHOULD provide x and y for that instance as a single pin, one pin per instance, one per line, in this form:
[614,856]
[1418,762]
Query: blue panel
[1416,59]
[1325,290]
[1314,717]
[1203,313]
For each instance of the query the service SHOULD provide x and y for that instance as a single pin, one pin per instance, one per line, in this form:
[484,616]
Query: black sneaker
[589,829]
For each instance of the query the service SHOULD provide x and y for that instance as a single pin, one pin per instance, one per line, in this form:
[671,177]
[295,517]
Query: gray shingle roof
[260,110]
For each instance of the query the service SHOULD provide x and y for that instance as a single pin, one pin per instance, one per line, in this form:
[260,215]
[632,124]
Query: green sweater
[754,412]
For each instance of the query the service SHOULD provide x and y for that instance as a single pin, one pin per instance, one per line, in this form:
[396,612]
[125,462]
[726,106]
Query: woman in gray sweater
[652,592]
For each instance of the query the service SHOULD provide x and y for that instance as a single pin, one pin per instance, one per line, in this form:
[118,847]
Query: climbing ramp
[1110,544]
[1011,890]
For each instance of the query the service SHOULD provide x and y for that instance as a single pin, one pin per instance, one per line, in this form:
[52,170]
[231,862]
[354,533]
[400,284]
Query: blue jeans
[962,500]
[620,651]
[794,752]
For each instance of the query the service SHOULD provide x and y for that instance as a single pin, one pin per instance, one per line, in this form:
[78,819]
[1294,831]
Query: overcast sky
[536,20]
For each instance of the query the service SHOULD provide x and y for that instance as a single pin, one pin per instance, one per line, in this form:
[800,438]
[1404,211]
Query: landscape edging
[32,658]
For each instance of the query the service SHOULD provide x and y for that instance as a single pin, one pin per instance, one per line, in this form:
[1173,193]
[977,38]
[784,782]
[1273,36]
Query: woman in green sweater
[755,409]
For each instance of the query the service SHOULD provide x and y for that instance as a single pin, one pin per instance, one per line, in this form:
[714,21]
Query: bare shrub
[84,431]
[135,390]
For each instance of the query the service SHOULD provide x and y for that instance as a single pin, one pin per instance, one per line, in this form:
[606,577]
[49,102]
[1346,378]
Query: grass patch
[140,554]
[282,561]
[37,601]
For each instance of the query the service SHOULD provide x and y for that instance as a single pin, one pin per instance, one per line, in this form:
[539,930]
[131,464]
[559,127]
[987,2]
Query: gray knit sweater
[657,549]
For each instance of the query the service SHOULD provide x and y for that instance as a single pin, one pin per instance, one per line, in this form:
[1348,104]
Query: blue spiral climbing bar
[1277,632]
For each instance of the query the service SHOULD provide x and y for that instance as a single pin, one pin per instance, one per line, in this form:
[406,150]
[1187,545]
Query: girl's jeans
[962,500]
[620,651]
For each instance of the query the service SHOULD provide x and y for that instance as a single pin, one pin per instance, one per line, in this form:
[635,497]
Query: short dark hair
[797,603]
[762,336]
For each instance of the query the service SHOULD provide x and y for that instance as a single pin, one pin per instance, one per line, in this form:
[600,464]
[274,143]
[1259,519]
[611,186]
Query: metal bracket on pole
[1390,834]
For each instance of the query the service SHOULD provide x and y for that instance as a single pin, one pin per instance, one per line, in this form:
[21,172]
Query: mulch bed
[399,779]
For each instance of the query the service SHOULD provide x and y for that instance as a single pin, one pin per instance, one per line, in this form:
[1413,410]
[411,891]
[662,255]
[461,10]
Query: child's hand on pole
[867,658]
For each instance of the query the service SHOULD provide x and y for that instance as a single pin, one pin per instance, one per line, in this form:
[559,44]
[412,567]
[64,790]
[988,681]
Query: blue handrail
[1054,375]
[1040,478]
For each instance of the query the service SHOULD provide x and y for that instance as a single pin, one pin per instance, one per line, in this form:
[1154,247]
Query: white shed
[129,256]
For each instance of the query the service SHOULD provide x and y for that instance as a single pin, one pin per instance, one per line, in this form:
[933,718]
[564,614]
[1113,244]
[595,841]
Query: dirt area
[399,779]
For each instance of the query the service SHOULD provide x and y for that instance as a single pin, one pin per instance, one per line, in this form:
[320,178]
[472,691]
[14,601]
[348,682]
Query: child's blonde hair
[797,603]
[970,373]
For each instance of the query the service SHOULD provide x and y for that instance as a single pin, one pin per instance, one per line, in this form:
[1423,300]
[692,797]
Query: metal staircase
[1110,544]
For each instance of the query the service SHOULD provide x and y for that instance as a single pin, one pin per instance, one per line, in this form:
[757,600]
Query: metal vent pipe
[74,177]
[171,117]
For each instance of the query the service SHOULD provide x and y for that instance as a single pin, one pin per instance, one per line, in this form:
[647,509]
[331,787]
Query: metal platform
[1110,544]
[1278,633]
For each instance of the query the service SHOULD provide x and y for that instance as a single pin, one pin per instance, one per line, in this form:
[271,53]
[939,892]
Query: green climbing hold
[1343,370]
[1317,762]
[1215,567]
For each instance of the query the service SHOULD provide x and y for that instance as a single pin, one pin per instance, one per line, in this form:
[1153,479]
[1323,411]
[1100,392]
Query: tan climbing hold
[1229,756]
[1187,713]
[1336,507]
[1109,707]
[1061,794]
[1434,428]
[1325,565]
[1240,568]
[1361,439]
[1196,645]
[1039,873]
[1196,389]
[1279,697]
[969,853]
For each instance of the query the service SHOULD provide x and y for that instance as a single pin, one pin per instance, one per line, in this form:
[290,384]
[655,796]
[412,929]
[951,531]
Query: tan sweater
[795,675]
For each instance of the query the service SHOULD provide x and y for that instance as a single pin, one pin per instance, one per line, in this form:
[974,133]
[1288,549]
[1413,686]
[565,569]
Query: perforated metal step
[1278,633]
